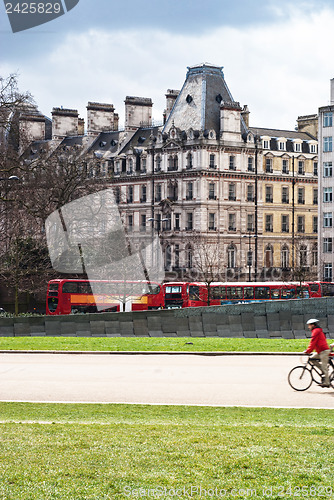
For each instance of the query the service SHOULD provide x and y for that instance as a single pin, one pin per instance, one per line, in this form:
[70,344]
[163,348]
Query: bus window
[218,292]
[275,293]
[327,289]
[314,287]
[287,293]
[70,287]
[173,289]
[84,288]
[234,292]
[52,304]
[53,290]
[249,292]
[194,292]
[153,289]
[262,292]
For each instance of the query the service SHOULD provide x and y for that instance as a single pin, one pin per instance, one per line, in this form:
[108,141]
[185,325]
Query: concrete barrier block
[247,322]
[7,331]
[37,330]
[273,322]
[85,333]
[195,324]
[154,323]
[126,328]
[275,334]
[140,327]
[112,328]
[21,329]
[252,335]
[285,320]
[67,327]
[260,322]
[6,322]
[263,334]
[235,323]
[168,325]
[52,326]
[196,333]
[297,322]
[96,327]
[224,332]
[299,334]
[155,333]
[288,335]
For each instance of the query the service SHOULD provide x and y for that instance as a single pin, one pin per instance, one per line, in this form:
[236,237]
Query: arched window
[303,256]
[314,255]
[189,257]
[231,256]
[269,256]
[189,160]
[168,257]
[285,257]
[158,163]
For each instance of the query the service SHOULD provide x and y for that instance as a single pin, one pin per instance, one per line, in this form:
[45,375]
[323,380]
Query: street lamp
[249,254]
[256,140]
[11,178]
[158,221]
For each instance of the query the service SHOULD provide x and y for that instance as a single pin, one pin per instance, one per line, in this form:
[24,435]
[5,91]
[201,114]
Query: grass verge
[86,452]
[187,344]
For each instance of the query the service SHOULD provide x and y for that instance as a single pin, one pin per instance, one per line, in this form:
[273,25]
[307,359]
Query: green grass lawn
[96,452]
[187,344]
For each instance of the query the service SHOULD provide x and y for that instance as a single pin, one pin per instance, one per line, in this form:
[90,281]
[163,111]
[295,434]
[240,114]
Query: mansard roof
[198,103]
[288,134]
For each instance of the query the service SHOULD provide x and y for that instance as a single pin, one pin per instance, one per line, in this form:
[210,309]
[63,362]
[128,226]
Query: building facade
[326,187]
[207,179]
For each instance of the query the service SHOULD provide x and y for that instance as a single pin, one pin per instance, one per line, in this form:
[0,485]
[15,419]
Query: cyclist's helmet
[312,321]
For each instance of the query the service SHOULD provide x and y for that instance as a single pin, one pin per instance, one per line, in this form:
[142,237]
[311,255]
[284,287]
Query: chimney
[64,123]
[100,118]
[81,126]
[309,124]
[138,112]
[332,91]
[245,115]
[32,127]
[171,97]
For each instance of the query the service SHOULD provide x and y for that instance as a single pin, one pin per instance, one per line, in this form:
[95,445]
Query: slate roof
[198,103]
[276,133]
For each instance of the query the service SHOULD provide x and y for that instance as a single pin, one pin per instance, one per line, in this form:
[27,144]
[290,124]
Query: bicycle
[301,377]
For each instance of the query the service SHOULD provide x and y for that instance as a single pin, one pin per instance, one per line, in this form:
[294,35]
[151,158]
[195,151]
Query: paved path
[157,379]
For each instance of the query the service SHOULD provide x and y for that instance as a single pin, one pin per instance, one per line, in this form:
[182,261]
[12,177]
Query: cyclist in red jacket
[319,344]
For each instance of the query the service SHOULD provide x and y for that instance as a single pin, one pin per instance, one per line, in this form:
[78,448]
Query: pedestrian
[319,344]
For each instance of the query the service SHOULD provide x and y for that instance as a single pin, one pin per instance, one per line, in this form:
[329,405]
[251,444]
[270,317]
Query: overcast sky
[277,54]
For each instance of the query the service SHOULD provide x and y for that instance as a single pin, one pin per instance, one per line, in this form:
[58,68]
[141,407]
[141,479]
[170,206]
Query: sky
[277,55]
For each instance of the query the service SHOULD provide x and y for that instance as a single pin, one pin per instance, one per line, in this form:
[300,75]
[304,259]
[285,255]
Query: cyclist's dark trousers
[321,361]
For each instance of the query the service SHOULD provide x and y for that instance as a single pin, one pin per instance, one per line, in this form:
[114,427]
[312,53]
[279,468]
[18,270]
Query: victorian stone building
[206,177]
[326,188]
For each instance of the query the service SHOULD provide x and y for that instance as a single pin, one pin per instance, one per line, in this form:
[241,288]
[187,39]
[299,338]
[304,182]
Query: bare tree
[208,262]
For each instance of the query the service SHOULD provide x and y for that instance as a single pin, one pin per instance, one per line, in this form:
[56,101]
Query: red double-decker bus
[66,296]
[320,288]
[180,294]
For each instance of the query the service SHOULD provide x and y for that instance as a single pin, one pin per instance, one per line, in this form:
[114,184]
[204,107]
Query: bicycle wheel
[331,379]
[300,378]
[316,375]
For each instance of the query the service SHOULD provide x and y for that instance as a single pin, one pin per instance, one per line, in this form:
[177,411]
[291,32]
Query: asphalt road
[234,380]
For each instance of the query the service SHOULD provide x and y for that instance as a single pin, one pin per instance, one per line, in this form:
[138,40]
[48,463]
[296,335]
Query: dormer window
[298,147]
[281,145]
[266,144]
[313,148]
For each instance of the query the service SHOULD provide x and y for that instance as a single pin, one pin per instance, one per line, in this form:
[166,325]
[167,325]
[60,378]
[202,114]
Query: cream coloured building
[207,179]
